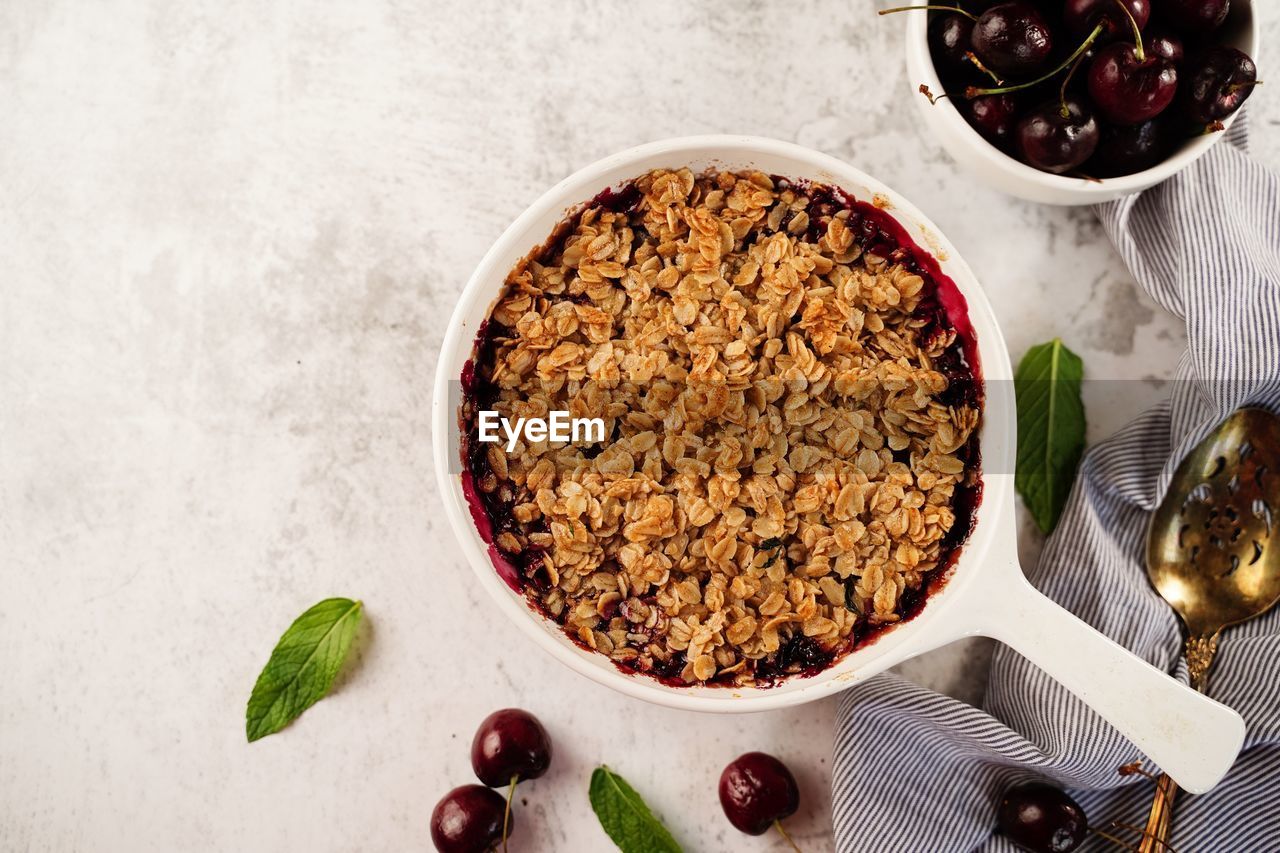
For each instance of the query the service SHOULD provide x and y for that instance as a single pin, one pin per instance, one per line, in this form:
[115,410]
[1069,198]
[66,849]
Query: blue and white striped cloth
[918,771]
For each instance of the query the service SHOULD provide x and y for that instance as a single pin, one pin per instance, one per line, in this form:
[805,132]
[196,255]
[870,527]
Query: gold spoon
[1213,553]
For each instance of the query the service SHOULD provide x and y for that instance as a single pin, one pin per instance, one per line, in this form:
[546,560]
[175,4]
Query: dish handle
[1192,738]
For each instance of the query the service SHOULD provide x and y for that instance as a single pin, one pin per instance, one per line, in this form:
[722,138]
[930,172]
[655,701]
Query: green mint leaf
[302,667]
[1051,427]
[625,817]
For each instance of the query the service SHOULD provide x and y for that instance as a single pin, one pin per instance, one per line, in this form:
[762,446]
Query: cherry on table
[510,745]
[469,820]
[1058,135]
[1218,81]
[1125,149]
[1012,38]
[1196,17]
[1128,89]
[1042,818]
[1081,16]
[757,791]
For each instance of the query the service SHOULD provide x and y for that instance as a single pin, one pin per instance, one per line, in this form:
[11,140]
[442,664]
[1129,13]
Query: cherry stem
[1236,87]
[974,92]
[1136,767]
[1119,842]
[1062,92]
[783,832]
[933,99]
[1142,832]
[1137,31]
[929,7]
[973,57]
[506,815]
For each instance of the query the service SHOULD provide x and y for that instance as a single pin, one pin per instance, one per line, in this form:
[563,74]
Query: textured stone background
[232,235]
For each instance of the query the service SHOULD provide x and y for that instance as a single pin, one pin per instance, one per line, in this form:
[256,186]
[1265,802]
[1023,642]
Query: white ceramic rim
[994,515]
[920,63]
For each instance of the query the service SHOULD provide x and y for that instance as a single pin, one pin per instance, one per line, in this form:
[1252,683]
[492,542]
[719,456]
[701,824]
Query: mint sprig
[302,667]
[1051,429]
[625,817]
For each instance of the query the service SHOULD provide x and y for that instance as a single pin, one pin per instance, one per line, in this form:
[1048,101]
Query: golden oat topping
[789,451]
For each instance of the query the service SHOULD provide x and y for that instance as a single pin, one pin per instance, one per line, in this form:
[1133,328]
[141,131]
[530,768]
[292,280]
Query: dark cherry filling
[943,310]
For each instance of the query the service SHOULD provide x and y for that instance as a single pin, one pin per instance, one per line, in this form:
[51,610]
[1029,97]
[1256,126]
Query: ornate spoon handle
[1155,837]
[1200,652]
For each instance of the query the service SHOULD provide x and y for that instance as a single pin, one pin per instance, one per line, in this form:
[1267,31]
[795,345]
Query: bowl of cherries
[1080,101]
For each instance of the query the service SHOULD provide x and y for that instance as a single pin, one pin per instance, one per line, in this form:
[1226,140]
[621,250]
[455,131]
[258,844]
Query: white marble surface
[232,233]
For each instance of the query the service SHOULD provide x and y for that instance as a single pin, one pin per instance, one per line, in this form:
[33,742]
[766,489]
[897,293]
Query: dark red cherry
[1165,44]
[950,39]
[1195,17]
[1126,149]
[469,820]
[1012,38]
[1218,80]
[1081,16]
[995,117]
[1128,90]
[510,744]
[756,790]
[1057,137]
[1042,818]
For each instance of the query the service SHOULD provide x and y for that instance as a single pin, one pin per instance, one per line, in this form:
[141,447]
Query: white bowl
[1003,172]
[1192,738]
[532,229]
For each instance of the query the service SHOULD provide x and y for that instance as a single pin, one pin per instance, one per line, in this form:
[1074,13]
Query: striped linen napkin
[918,771]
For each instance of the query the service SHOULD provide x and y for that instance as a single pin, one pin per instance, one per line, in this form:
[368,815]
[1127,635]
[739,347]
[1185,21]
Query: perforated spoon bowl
[1213,551]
